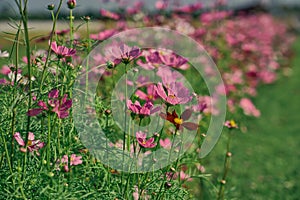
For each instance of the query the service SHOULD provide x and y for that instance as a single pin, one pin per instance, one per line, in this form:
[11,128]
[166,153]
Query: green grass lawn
[266,159]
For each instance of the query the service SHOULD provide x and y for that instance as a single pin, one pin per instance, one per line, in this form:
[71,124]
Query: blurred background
[266,159]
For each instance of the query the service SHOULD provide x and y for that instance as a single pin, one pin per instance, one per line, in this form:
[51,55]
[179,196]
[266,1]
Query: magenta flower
[32,145]
[141,138]
[145,110]
[176,93]
[74,160]
[62,51]
[55,104]
[151,93]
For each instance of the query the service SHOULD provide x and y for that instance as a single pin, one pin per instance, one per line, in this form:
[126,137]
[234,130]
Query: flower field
[133,109]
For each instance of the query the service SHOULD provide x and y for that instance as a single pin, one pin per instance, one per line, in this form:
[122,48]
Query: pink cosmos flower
[168,76]
[230,124]
[248,107]
[165,143]
[5,70]
[174,60]
[152,60]
[146,109]
[103,35]
[190,8]
[55,104]
[151,93]
[108,14]
[32,145]
[141,138]
[123,53]
[161,5]
[62,51]
[176,93]
[74,160]
[182,175]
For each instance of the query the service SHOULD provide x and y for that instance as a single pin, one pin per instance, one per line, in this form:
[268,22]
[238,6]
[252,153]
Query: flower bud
[50,7]
[71,4]
[168,185]
[228,154]
[110,64]
[107,112]
[87,18]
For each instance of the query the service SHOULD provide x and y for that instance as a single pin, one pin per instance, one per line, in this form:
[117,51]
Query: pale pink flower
[109,14]
[5,70]
[32,145]
[176,93]
[150,95]
[248,107]
[190,8]
[74,160]
[103,35]
[122,53]
[161,5]
[165,143]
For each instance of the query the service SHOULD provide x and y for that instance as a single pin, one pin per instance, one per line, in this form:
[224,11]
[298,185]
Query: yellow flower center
[178,121]
[232,123]
[150,96]
[172,96]
[29,143]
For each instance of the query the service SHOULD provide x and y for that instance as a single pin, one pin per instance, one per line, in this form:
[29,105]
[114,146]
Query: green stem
[226,168]
[49,140]
[125,126]
[71,28]
[51,40]
[162,184]
[24,18]
[7,153]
